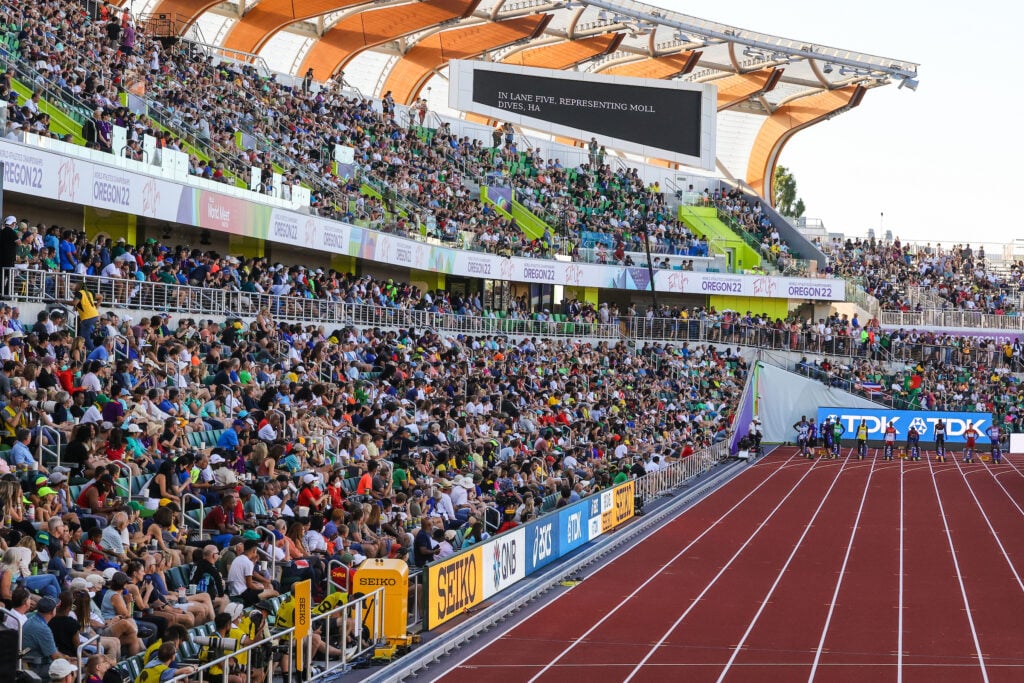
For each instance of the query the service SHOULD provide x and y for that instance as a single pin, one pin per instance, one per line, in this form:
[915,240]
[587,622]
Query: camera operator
[228,637]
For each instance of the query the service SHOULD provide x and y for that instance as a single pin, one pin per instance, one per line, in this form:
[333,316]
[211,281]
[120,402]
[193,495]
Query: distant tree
[786,201]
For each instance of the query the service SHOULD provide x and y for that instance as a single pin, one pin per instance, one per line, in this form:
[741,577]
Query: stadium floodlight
[682,37]
[910,83]
[827,68]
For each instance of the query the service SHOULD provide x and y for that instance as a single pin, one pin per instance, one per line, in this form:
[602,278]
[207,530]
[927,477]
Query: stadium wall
[783,396]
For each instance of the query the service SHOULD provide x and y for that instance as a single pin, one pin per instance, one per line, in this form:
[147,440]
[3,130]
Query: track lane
[715,620]
[805,593]
[653,613]
[861,640]
[545,636]
[937,639]
[992,580]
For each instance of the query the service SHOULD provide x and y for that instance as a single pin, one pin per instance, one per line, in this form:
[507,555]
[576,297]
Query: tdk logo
[878,422]
[574,527]
[542,546]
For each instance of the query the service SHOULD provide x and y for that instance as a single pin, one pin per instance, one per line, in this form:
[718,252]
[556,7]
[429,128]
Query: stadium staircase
[704,222]
[532,227]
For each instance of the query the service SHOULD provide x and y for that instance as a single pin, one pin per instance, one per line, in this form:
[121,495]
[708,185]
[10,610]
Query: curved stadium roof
[769,87]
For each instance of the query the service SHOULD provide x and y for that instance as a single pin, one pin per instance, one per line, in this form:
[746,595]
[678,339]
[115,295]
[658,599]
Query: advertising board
[454,585]
[126,186]
[504,561]
[923,421]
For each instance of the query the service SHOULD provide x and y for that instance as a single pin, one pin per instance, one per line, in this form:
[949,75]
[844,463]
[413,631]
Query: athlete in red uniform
[970,438]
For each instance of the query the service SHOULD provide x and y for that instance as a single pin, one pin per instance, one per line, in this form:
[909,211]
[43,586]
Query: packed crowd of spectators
[451,437]
[961,278]
[94,52]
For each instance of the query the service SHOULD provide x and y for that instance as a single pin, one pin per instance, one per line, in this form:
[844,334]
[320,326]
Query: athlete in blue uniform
[826,437]
[913,444]
[995,434]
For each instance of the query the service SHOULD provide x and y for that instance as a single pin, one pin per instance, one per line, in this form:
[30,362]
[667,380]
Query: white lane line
[842,574]
[665,566]
[1008,459]
[995,476]
[781,574]
[959,576]
[899,620]
[991,529]
[721,572]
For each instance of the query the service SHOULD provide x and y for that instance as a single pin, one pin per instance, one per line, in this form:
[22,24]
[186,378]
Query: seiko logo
[375,581]
[457,586]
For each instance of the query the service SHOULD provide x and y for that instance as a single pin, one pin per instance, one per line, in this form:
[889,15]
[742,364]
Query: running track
[831,570]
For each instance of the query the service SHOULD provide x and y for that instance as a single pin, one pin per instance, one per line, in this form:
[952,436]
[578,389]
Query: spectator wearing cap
[444,540]
[231,440]
[310,496]
[440,505]
[224,477]
[8,244]
[14,416]
[252,500]
[37,638]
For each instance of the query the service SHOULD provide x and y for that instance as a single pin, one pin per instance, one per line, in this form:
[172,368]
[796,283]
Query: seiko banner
[657,118]
[922,420]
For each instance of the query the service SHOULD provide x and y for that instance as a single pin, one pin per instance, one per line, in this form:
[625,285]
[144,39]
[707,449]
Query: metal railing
[80,650]
[31,285]
[674,475]
[356,611]
[952,319]
[856,294]
[185,519]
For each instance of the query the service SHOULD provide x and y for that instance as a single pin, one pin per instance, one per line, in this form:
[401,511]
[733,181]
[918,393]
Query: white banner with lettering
[48,174]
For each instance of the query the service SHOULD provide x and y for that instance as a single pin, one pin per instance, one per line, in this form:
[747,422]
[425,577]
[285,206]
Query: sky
[940,163]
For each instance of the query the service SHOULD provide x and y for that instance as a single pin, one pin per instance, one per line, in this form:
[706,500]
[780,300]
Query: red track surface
[832,570]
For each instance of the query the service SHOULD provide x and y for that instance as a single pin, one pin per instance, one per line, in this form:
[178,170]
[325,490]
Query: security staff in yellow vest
[162,667]
[220,644]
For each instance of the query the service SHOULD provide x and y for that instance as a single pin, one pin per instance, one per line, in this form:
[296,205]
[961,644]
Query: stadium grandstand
[308,373]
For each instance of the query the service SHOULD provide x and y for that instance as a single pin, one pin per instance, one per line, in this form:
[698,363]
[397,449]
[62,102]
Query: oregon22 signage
[664,119]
